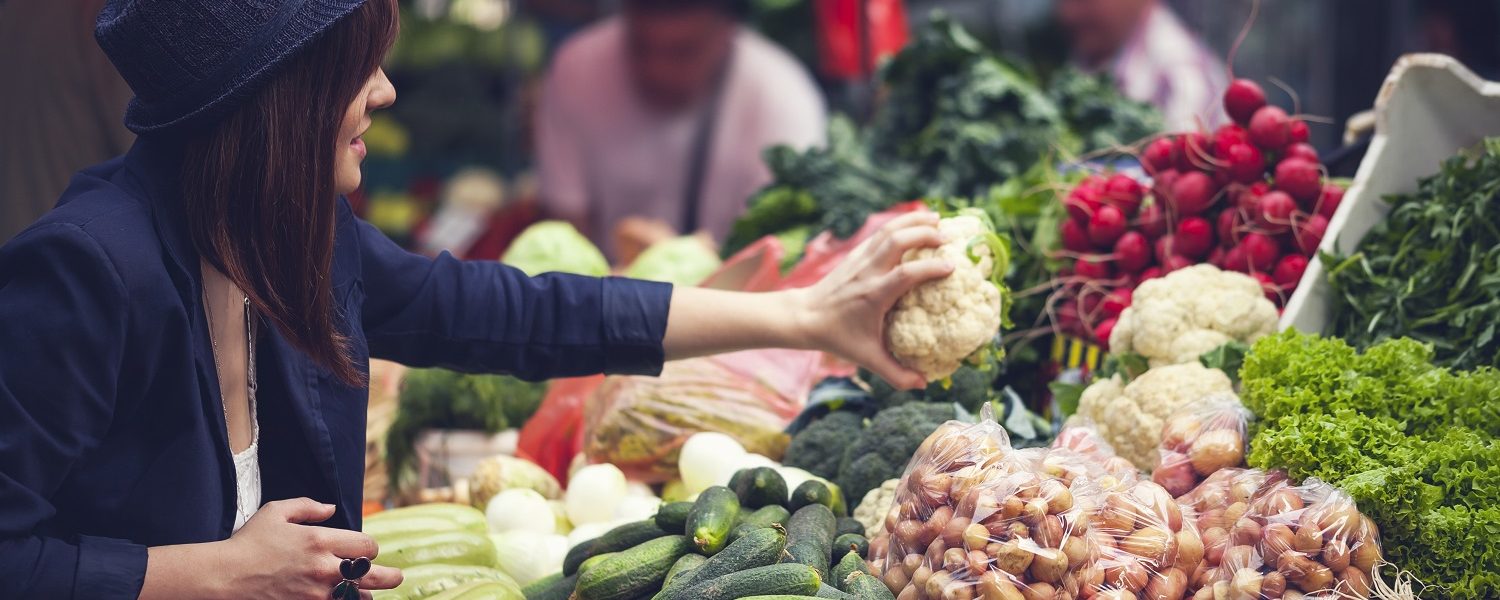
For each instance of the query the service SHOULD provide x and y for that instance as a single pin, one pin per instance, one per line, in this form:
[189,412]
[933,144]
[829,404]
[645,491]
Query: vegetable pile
[860,457]
[1431,270]
[1411,442]
[1250,197]
[438,398]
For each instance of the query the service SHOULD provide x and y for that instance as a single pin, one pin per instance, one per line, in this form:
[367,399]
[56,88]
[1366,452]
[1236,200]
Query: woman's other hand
[277,555]
[845,312]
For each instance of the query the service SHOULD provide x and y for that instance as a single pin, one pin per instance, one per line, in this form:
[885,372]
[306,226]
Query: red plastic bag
[554,435]
[755,268]
[825,252]
[842,43]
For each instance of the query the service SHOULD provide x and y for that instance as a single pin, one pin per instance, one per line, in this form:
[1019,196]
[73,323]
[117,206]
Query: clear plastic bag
[1144,546]
[974,518]
[1083,439]
[1199,442]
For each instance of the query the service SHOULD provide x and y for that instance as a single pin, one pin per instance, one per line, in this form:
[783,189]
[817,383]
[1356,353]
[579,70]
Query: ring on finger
[350,570]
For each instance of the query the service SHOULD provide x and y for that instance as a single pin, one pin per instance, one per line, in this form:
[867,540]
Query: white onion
[520,509]
[593,494]
[705,457]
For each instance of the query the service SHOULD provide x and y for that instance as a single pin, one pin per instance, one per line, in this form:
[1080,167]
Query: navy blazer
[112,435]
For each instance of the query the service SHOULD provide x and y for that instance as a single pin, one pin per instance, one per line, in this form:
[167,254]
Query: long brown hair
[258,187]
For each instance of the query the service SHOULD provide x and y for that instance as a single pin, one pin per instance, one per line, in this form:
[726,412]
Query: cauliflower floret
[871,511]
[1130,417]
[1176,318]
[934,327]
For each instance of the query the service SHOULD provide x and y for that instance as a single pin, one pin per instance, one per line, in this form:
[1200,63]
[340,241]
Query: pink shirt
[606,156]
[1165,65]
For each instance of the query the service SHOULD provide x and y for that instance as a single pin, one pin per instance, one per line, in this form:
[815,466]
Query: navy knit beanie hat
[192,62]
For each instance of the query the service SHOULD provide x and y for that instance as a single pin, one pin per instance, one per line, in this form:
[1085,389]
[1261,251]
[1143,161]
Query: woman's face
[378,93]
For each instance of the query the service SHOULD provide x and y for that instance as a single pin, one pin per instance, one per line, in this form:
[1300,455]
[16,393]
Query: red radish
[1192,194]
[1270,128]
[1132,252]
[1165,248]
[1300,178]
[1289,271]
[1329,202]
[1192,151]
[1176,262]
[1302,150]
[1234,260]
[1116,302]
[1221,177]
[1067,318]
[1309,234]
[1125,193]
[1160,155]
[1299,131]
[1088,304]
[1216,258]
[1268,287]
[1092,268]
[1093,181]
[1074,237]
[1249,198]
[1106,226]
[1242,99]
[1194,237]
[1276,209]
[1244,163]
[1151,273]
[1102,332]
[1161,184]
[1153,221]
[1082,202]
[1227,136]
[1225,225]
[1261,251]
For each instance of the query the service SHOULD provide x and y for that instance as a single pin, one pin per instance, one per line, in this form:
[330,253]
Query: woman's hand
[844,314]
[275,555]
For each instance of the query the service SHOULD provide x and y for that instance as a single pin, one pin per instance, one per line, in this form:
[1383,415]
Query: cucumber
[849,525]
[810,537]
[758,548]
[422,581]
[617,539]
[684,566]
[672,516]
[551,587]
[832,593]
[481,590]
[576,555]
[760,486]
[850,541]
[634,572]
[447,547]
[592,561]
[813,491]
[465,517]
[763,517]
[389,529]
[711,518]
[773,579]
[865,586]
[851,563]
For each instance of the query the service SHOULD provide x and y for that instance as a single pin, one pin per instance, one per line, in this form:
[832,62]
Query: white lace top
[247,474]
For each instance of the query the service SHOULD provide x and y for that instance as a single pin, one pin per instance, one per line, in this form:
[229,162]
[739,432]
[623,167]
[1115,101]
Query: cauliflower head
[938,324]
[1176,318]
[1130,417]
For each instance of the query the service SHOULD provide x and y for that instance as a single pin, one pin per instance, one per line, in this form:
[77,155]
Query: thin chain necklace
[249,361]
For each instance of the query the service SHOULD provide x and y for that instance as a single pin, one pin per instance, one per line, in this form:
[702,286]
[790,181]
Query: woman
[186,336]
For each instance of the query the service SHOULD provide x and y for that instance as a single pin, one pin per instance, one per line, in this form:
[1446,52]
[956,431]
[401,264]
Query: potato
[1155,507]
[909,593]
[1035,511]
[958,590]
[1126,572]
[1203,593]
[1281,501]
[1213,518]
[1090,580]
[1118,520]
[1238,557]
[1076,549]
[920,577]
[953,532]
[985,505]
[1217,449]
[979,562]
[1037,591]
[955,559]
[1011,508]
[1169,584]
[1189,550]
[1246,532]
[1242,489]
[1341,519]
[935,550]
[1275,539]
[1308,541]
[896,579]
[975,536]
[1355,582]
[1233,512]
[1049,533]
[996,586]
[1151,544]
[1049,566]
[1013,559]
[1245,585]
[1364,556]
[1305,573]
[909,534]
[1059,498]
[912,561]
[937,584]
[1215,542]
[1273,585]
[1180,431]
[1335,555]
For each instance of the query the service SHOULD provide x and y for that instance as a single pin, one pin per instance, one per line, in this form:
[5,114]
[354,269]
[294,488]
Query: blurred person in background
[1152,56]
[1466,30]
[62,105]
[652,122]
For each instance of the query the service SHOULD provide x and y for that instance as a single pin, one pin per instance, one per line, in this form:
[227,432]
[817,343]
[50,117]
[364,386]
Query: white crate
[1428,109]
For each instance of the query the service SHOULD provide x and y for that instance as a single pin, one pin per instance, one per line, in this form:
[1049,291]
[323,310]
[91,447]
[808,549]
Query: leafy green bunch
[1412,442]
[442,399]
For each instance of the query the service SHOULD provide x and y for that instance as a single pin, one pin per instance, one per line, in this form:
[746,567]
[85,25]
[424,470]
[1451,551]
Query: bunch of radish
[1250,196]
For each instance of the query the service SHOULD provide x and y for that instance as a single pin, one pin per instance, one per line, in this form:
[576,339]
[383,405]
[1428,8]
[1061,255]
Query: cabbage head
[555,246]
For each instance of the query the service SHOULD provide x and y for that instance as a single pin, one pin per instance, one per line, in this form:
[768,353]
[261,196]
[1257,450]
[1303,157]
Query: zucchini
[711,518]
[848,542]
[551,587]
[634,572]
[758,548]
[813,491]
[384,530]
[422,581]
[481,590]
[832,593]
[849,525]
[810,537]
[865,586]
[851,563]
[672,516]
[765,516]
[620,538]
[773,579]
[759,486]
[463,516]
[447,547]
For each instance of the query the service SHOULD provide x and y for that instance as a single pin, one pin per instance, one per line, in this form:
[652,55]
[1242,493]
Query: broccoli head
[883,449]
[969,386]
[819,448]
